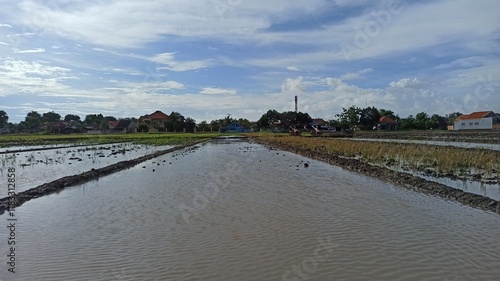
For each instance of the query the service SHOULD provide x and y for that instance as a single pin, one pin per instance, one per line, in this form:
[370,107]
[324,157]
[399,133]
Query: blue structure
[234,128]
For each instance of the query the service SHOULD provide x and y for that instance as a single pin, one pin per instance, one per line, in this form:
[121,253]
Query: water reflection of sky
[34,168]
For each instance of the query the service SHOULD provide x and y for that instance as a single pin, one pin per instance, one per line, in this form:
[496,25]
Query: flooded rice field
[489,188]
[34,168]
[232,210]
[490,146]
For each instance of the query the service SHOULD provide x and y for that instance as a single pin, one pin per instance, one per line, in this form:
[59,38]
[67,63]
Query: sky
[210,58]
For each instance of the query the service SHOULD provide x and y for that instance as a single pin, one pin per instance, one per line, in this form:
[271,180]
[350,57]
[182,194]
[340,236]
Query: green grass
[444,158]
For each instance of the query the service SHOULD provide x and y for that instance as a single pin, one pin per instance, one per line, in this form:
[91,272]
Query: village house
[387,123]
[124,126]
[4,130]
[234,127]
[154,122]
[482,120]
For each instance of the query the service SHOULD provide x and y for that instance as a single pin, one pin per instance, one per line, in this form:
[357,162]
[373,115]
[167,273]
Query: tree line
[351,117]
[368,118]
[36,122]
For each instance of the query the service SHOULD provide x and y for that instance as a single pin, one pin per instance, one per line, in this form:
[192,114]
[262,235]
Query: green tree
[350,116]
[422,121]
[33,120]
[190,124]
[204,126]
[176,122]
[388,113]
[215,125]
[51,117]
[268,119]
[294,119]
[369,117]
[71,117]
[452,116]
[93,119]
[4,118]
[438,122]
[110,118]
[407,123]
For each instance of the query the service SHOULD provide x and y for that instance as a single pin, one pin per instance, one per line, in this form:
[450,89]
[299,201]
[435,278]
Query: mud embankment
[398,178]
[59,184]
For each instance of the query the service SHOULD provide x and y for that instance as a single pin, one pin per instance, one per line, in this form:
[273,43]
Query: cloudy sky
[210,58]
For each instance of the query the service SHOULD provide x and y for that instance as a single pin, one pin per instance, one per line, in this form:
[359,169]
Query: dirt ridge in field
[60,184]
[398,178]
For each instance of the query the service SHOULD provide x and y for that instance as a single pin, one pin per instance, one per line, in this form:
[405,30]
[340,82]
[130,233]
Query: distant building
[60,127]
[482,120]
[154,122]
[386,123]
[124,126]
[317,122]
[234,127]
[112,124]
[4,130]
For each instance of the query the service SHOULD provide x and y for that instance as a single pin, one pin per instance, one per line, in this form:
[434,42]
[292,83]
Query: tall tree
[176,122]
[190,124]
[33,120]
[388,113]
[407,123]
[215,125]
[110,118]
[350,116]
[71,117]
[268,119]
[452,116]
[422,121]
[203,126]
[93,119]
[438,122]
[369,117]
[51,117]
[4,118]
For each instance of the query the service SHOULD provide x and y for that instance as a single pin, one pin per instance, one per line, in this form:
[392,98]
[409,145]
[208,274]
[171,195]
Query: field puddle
[233,210]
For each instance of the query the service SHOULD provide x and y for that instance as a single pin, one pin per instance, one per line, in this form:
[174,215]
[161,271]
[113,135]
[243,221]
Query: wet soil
[398,178]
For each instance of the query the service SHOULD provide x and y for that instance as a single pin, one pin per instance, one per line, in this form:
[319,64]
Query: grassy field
[442,158]
[144,138]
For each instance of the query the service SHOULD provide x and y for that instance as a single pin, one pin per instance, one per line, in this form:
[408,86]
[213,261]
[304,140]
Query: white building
[483,120]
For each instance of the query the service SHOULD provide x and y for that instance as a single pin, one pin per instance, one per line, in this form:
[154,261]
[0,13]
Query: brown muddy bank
[398,178]
[476,136]
[59,184]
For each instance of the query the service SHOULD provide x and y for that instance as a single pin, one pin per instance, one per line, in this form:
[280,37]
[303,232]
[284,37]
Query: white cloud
[155,86]
[406,83]
[37,50]
[355,75]
[294,85]
[293,68]
[218,91]
[168,60]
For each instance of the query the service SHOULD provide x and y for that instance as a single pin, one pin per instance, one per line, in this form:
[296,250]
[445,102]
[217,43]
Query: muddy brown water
[238,211]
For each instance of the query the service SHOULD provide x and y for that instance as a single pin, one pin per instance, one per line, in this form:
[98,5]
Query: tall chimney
[296,109]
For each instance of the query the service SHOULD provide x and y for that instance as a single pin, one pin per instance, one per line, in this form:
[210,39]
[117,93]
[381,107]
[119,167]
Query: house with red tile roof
[387,123]
[481,120]
[155,121]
